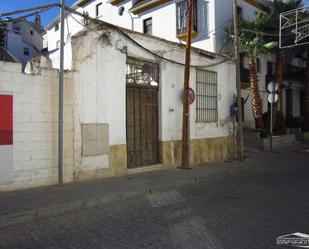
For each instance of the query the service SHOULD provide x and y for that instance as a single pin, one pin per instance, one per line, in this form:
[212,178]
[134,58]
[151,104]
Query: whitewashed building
[161,18]
[166,19]
[23,39]
[123,110]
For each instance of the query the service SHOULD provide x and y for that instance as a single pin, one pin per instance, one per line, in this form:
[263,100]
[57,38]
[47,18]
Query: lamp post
[60,121]
[240,138]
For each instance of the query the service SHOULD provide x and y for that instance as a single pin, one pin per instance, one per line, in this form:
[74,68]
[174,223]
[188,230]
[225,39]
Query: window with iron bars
[142,72]
[206,96]
[181,15]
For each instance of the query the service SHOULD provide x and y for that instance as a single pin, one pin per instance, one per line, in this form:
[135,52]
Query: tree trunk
[255,94]
[307,93]
[279,77]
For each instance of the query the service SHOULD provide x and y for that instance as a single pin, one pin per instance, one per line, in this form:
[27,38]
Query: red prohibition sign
[191,95]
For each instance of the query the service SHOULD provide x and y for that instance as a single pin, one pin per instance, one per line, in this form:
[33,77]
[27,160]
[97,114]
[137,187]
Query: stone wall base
[202,151]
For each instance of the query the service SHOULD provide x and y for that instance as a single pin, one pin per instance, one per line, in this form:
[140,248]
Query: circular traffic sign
[272,98]
[191,95]
[272,87]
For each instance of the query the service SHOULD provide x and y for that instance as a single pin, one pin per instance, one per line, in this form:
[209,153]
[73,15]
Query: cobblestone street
[245,208]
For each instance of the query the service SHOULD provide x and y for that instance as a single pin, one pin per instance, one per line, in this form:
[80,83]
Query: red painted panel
[6,119]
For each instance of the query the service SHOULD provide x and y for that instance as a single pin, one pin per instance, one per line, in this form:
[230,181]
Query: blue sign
[234,109]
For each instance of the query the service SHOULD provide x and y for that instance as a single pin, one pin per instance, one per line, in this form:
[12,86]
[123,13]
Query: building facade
[123,110]
[167,19]
[161,18]
[23,39]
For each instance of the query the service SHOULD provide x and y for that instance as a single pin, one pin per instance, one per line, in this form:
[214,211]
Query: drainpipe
[132,20]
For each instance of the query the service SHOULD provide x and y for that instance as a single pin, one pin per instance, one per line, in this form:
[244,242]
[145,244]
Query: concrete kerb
[97,200]
[33,215]
[207,173]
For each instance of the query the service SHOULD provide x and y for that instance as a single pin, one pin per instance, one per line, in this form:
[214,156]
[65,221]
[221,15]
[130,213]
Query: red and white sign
[191,95]
[6,119]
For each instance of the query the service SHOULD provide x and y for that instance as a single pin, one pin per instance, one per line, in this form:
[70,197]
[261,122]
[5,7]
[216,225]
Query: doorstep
[144,169]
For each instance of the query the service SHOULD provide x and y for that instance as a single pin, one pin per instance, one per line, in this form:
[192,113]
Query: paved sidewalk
[27,205]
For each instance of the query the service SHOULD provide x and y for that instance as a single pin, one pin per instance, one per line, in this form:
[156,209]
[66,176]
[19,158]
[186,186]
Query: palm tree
[274,12]
[253,42]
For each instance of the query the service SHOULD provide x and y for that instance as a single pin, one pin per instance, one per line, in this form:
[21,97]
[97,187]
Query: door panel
[142,126]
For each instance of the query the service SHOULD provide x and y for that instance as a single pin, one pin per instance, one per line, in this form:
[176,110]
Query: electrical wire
[265,33]
[26,16]
[85,26]
[122,32]
[29,9]
[41,9]
[216,28]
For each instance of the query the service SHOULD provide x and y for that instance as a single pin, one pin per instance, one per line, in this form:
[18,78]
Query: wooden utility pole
[240,137]
[185,116]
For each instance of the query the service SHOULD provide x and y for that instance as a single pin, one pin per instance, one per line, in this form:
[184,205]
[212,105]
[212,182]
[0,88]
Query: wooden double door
[142,125]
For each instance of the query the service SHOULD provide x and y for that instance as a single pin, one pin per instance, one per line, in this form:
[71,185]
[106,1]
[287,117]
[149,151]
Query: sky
[11,5]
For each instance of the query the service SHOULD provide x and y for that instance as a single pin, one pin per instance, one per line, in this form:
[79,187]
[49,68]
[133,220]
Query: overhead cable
[29,9]
[264,33]
[122,32]
[26,16]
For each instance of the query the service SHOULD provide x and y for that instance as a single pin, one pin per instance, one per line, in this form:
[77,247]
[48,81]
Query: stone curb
[32,215]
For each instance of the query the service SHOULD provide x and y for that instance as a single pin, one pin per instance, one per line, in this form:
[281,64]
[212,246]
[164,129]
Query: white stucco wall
[16,45]
[33,155]
[212,15]
[163,22]
[18,40]
[101,94]
[33,38]
[98,96]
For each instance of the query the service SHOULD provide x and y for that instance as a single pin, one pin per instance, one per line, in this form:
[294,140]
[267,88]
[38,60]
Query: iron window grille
[206,96]
[181,15]
[142,72]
